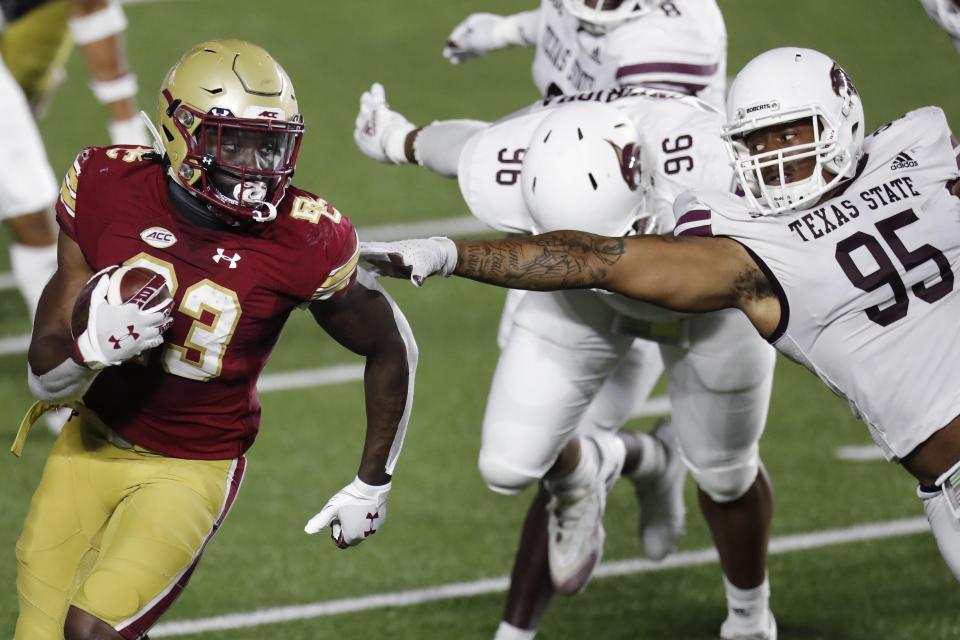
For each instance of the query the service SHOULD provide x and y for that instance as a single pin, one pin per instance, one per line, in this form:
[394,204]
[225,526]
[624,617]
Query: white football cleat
[575,521]
[662,511]
[735,628]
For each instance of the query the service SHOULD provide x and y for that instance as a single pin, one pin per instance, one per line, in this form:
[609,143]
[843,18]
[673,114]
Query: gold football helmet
[231,129]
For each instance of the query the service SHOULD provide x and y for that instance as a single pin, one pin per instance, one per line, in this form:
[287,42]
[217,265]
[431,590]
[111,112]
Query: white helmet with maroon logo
[581,171]
[231,129]
[794,85]
[600,16]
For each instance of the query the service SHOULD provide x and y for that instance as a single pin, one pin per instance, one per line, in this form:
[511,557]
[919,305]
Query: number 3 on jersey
[216,313]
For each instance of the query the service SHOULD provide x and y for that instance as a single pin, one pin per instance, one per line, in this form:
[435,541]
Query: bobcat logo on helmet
[842,84]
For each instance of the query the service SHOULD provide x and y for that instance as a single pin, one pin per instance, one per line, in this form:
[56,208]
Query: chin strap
[269,216]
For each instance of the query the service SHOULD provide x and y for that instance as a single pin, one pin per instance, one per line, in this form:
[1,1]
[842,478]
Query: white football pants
[562,353]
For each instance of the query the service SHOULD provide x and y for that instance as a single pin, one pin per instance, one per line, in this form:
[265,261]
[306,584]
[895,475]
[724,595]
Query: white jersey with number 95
[868,278]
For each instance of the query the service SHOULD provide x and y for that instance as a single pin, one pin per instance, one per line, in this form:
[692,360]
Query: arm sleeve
[686,54]
[521,28]
[438,145]
[406,334]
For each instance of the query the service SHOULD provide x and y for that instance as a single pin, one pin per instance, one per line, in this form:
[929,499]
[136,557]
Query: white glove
[380,132]
[478,34]
[116,333]
[355,513]
[417,259]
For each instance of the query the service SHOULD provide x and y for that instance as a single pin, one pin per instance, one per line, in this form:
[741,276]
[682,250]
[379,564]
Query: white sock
[747,604]
[129,131]
[507,631]
[653,458]
[32,268]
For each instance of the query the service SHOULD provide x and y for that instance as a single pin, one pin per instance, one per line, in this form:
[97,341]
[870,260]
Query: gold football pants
[35,48]
[115,530]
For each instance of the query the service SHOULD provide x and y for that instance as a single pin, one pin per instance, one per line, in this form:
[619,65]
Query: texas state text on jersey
[195,397]
[681,45]
[867,278]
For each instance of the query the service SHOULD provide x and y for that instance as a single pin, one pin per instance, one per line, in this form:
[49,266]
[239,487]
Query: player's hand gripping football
[379,131]
[416,259]
[478,34]
[117,332]
[354,514]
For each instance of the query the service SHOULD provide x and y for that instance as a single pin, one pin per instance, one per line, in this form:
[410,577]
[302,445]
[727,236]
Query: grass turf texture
[444,526]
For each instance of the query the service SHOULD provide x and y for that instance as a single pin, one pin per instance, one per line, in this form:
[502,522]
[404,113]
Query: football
[138,285]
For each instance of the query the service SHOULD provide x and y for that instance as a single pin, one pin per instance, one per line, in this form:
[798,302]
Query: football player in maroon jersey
[164,397]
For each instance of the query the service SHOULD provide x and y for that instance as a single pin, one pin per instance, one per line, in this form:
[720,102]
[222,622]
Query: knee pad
[502,477]
[729,481]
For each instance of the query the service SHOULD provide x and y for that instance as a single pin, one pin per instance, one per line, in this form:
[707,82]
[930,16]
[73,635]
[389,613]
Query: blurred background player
[615,170]
[946,13]
[146,470]
[36,37]
[583,45]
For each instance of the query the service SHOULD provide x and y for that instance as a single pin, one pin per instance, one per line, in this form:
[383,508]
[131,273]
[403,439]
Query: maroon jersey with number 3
[195,397]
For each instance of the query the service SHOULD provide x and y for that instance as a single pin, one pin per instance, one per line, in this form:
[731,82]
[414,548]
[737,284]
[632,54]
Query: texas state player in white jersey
[584,45]
[610,162]
[945,13]
[844,253]
[880,255]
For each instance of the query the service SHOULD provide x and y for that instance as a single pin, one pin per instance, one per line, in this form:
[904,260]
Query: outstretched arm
[683,274]
[480,33]
[688,274]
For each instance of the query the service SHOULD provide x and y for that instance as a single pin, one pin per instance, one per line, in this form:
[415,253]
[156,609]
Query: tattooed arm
[690,274]
[684,274]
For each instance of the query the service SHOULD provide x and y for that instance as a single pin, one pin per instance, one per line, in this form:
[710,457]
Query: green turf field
[445,526]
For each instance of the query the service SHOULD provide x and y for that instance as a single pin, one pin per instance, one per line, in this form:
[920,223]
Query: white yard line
[859,453]
[310,378]
[12,345]
[274,615]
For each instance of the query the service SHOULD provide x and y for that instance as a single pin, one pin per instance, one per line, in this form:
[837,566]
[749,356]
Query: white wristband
[395,141]
[450,255]
[370,491]
[98,25]
[122,88]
